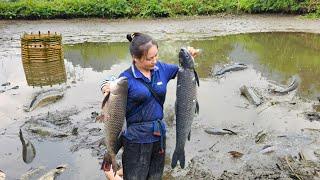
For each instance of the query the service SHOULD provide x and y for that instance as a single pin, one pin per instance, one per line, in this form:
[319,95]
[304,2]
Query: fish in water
[28,150]
[52,174]
[233,67]
[113,113]
[186,104]
[45,98]
[292,86]
[251,95]
[267,149]
[218,131]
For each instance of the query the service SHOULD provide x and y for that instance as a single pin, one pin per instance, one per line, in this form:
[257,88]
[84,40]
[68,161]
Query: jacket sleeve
[171,70]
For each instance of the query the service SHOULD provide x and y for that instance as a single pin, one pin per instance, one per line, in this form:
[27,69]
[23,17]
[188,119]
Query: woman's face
[149,61]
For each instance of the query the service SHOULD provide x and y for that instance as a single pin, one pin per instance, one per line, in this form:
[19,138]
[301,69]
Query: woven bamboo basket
[42,59]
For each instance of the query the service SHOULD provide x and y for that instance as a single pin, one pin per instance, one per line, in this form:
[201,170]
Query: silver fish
[218,131]
[28,150]
[45,98]
[251,95]
[52,174]
[233,67]
[186,104]
[267,149]
[292,86]
[113,112]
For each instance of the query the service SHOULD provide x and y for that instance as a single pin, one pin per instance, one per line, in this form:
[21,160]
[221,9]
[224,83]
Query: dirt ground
[293,139]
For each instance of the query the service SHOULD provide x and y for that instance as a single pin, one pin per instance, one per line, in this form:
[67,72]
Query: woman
[144,138]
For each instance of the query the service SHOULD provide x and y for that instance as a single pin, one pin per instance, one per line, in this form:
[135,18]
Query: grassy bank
[48,9]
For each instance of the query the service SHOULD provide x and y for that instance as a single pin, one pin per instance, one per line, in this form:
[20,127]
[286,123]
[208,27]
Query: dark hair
[140,44]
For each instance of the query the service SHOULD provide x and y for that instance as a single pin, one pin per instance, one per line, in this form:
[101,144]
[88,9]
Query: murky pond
[278,56]
[270,57]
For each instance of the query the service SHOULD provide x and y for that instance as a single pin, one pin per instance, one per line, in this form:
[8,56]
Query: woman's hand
[106,89]
[193,52]
[110,174]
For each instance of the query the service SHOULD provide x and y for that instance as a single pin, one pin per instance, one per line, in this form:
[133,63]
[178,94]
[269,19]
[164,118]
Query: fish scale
[185,110]
[114,111]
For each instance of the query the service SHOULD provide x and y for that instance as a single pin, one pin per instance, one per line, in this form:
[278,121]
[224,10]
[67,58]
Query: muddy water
[278,56]
[270,56]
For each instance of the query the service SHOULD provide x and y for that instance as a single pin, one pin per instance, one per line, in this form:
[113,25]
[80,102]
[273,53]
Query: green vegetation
[47,9]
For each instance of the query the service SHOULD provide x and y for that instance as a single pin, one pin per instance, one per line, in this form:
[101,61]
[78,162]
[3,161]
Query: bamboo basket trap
[42,59]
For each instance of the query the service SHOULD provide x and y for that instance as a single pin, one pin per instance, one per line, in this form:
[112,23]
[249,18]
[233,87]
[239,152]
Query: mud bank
[104,30]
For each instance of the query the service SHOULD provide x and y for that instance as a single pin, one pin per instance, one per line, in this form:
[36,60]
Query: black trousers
[142,161]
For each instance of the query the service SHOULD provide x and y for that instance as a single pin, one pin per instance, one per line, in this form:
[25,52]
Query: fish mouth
[184,53]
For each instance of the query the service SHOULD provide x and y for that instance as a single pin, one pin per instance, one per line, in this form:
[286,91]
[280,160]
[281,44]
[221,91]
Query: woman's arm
[105,88]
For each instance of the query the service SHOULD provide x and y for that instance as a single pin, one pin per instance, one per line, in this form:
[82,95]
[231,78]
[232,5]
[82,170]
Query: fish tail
[178,156]
[108,160]
[21,138]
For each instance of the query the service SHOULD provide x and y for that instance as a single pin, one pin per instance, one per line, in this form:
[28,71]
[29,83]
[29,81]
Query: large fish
[28,150]
[186,104]
[113,112]
[292,86]
[233,67]
[45,98]
[251,95]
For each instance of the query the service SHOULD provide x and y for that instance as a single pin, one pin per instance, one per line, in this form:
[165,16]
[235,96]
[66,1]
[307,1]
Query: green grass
[48,9]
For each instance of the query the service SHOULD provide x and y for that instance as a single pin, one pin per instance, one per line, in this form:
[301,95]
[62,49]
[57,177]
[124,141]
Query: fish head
[119,86]
[185,59]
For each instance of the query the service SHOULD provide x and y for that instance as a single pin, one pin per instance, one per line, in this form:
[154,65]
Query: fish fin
[197,77]
[100,118]
[189,135]
[105,100]
[118,144]
[242,64]
[124,127]
[232,132]
[178,156]
[197,107]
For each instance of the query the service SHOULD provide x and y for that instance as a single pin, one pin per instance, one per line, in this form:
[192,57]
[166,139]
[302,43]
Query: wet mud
[279,139]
